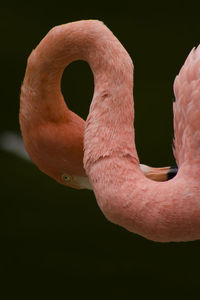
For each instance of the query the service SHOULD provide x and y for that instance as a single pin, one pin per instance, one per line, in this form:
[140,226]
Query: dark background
[55,240]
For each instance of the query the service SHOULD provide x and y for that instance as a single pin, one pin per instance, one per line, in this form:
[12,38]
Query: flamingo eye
[66,177]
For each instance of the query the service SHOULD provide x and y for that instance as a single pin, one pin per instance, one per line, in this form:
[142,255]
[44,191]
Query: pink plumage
[167,211]
[53,135]
[187,110]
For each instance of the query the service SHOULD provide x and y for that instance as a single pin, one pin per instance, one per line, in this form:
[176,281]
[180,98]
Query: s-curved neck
[112,68]
[84,40]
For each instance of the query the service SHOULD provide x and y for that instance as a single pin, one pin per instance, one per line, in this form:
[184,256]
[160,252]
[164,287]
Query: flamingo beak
[159,174]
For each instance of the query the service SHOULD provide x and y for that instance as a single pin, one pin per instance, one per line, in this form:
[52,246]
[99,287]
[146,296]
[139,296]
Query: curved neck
[84,40]
[168,211]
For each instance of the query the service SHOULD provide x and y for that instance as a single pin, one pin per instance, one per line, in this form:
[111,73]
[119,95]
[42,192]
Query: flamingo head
[57,150]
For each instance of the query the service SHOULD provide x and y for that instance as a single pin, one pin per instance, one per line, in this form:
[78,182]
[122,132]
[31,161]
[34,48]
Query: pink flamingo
[160,211]
[53,135]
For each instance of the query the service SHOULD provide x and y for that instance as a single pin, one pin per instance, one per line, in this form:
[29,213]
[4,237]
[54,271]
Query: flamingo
[160,211]
[53,134]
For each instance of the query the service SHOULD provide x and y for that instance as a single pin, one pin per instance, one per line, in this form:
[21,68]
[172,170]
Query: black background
[55,240]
